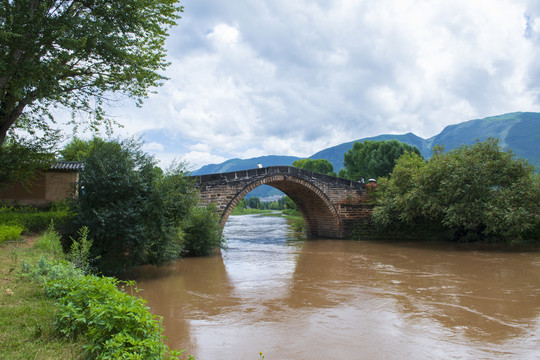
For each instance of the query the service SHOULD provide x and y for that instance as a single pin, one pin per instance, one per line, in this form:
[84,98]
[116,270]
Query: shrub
[10,233]
[33,219]
[475,192]
[50,241]
[202,231]
[116,324]
[131,208]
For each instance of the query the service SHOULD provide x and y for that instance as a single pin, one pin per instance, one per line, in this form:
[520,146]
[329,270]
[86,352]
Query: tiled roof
[68,166]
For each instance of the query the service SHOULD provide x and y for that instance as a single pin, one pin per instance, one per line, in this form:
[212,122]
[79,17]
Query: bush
[130,207]
[202,231]
[33,219]
[50,242]
[116,324]
[10,233]
[475,192]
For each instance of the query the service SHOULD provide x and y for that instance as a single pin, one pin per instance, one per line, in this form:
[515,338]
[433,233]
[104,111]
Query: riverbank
[27,315]
[296,221]
[51,310]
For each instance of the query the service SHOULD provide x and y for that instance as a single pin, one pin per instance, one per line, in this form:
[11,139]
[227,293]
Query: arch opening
[322,219]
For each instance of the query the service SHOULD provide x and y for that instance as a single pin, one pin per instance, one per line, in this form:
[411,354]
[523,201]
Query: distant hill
[518,131]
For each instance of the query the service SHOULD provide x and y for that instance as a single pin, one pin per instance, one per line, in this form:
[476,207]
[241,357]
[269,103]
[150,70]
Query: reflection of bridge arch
[330,206]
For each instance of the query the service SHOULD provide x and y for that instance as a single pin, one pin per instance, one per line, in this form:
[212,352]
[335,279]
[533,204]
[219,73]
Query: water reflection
[341,299]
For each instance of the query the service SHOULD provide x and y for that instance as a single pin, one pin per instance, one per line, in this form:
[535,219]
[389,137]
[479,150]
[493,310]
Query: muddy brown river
[291,298]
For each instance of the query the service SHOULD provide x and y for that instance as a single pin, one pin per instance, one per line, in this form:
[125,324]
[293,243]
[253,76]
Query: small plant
[10,233]
[79,254]
[50,241]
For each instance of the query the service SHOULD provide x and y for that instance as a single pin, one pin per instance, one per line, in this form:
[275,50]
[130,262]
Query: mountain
[244,164]
[518,131]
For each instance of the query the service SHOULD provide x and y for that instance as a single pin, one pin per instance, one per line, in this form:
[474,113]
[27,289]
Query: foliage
[33,219]
[50,242]
[373,159]
[114,323]
[474,192]
[10,233]
[79,253]
[27,314]
[202,231]
[255,203]
[321,166]
[78,149]
[75,54]
[247,211]
[21,160]
[257,206]
[131,208]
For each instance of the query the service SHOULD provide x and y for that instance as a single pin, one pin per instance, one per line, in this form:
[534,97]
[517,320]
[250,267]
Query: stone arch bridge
[332,207]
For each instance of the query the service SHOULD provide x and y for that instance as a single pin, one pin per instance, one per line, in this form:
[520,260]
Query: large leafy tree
[79,149]
[77,54]
[373,159]
[322,166]
[473,192]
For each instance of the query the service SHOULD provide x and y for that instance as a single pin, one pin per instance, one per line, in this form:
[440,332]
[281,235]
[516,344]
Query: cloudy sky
[260,77]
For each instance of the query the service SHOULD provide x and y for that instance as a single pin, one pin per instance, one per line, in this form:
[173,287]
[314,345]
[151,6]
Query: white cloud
[153,146]
[290,78]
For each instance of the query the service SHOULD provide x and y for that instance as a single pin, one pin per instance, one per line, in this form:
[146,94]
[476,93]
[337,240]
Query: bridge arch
[332,207]
[321,217]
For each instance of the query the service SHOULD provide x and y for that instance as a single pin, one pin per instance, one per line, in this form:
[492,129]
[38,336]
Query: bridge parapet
[331,206]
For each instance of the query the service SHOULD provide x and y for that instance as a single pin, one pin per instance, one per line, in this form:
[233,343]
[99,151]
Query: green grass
[26,314]
[239,211]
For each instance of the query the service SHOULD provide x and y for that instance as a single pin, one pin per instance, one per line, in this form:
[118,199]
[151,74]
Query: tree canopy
[474,192]
[321,166]
[78,149]
[373,159]
[76,54]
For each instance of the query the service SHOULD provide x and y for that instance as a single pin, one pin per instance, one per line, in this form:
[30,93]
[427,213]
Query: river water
[291,298]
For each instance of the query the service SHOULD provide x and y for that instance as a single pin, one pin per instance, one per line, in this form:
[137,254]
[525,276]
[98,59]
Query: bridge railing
[242,175]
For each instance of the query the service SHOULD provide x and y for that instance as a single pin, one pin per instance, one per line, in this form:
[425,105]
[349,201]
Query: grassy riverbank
[27,315]
[296,221]
[49,309]
[248,211]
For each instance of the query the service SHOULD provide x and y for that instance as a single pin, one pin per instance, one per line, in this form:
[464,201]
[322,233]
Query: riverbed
[273,291]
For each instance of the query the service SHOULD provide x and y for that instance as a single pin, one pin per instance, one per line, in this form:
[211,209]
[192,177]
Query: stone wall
[45,187]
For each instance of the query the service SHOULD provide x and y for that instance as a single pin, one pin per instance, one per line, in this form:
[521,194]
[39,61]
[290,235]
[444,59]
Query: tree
[254,202]
[133,211]
[78,149]
[321,166]
[20,161]
[373,159]
[474,192]
[77,54]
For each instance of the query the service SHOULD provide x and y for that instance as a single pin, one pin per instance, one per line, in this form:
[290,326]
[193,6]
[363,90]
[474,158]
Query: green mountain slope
[518,131]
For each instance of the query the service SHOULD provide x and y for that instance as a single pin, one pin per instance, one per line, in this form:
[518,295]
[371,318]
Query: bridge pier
[331,206]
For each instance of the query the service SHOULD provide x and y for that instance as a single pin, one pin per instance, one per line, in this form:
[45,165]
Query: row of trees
[254,202]
[368,159]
